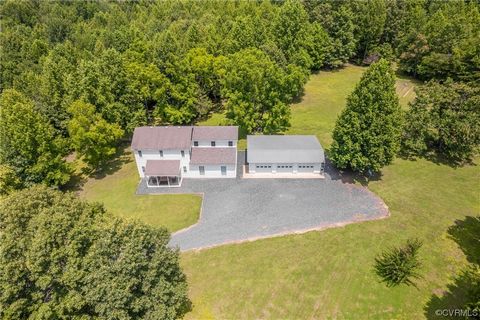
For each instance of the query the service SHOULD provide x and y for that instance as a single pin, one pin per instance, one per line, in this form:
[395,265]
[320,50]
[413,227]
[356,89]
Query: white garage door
[263,168]
[305,167]
[284,167]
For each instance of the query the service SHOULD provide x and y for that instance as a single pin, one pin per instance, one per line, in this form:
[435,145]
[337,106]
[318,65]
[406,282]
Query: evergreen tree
[367,133]
[399,265]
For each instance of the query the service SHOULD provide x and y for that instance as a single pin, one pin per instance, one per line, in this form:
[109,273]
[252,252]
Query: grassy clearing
[116,189]
[328,274]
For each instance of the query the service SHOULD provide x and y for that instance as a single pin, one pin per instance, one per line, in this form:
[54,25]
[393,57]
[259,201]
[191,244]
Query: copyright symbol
[438,312]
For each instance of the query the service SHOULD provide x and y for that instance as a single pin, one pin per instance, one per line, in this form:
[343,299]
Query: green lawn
[328,274]
[117,192]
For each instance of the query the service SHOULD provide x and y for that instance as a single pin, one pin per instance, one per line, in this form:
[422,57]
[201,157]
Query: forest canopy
[176,62]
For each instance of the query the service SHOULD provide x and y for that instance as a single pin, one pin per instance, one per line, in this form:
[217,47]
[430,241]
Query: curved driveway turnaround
[236,210]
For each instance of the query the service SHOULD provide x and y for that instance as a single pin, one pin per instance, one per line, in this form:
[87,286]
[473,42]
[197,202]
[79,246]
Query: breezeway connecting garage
[289,154]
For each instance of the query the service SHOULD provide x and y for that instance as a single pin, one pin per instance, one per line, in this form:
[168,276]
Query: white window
[223,169]
[212,143]
[143,169]
[182,153]
[195,143]
[140,153]
[161,153]
[230,143]
[201,169]
[184,169]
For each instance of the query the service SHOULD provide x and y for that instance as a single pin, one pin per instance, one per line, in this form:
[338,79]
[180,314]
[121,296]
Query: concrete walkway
[236,210]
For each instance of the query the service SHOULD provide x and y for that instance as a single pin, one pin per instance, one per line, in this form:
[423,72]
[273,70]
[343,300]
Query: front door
[201,169]
[224,170]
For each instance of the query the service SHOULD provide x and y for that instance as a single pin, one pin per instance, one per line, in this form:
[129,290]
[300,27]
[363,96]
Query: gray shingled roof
[215,133]
[159,138]
[162,168]
[213,155]
[284,149]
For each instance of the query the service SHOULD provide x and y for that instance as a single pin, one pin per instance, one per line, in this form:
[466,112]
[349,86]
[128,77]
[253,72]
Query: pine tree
[367,133]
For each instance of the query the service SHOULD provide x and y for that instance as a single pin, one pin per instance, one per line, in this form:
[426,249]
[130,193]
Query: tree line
[86,74]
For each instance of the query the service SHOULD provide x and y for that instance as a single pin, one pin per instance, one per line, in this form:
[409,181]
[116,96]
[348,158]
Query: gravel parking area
[236,210]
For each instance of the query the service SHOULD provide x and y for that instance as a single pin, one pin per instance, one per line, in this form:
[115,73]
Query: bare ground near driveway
[237,210]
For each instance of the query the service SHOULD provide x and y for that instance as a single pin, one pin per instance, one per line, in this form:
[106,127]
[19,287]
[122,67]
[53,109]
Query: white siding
[155,155]
[218,143]
[212,171]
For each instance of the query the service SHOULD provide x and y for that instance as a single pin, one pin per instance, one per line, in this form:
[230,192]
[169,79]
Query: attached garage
[284,155]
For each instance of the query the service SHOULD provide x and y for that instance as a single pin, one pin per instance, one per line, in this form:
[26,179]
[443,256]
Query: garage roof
[284,149]
[213,155]
[167,168]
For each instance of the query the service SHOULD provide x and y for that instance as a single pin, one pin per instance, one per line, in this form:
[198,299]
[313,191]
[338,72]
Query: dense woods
[74,261]
[76,77]
[174,62]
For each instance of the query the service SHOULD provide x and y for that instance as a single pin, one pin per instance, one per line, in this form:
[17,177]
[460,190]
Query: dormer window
[195,143]
[140,153]
[161,153]
[212,143]
[230,143]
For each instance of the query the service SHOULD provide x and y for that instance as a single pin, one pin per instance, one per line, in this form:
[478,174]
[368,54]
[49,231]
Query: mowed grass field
[328,274]
[117,192]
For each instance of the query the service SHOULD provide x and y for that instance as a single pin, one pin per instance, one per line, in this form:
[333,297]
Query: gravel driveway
[236,210]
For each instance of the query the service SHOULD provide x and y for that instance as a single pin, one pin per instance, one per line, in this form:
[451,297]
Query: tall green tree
[291,33]
[445,45]
[367,133]
[74,261]
[92,137]
[370,19]
[258,92]
[445,119]
[28,144]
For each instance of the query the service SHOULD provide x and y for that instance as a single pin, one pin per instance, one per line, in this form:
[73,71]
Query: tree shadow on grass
[122,156]
[81,176]
[466,233]
[348,176]
[454,298]
[437,159]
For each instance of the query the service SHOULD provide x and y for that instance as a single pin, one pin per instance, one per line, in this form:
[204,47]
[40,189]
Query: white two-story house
[166,155]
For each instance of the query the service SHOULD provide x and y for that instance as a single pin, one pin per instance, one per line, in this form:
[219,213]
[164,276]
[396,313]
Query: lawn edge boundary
[383,216]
